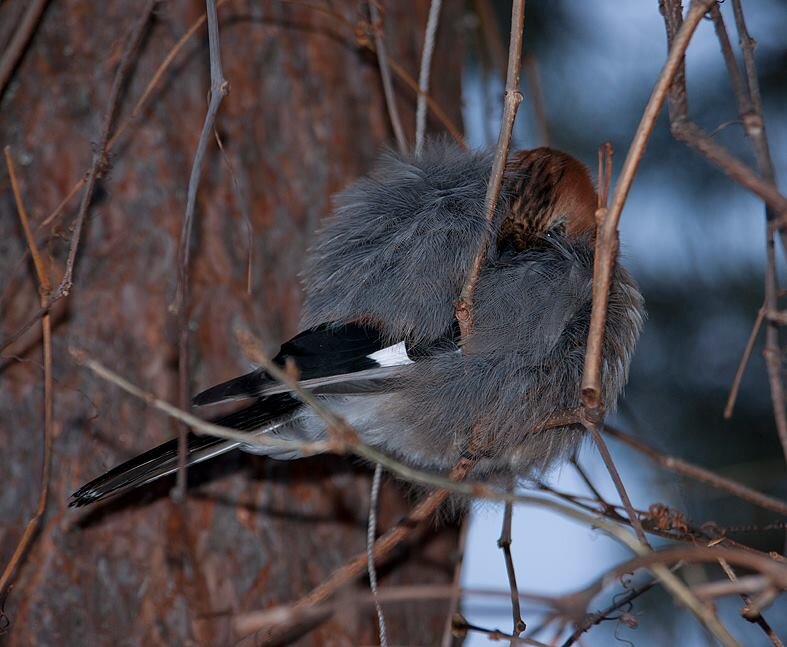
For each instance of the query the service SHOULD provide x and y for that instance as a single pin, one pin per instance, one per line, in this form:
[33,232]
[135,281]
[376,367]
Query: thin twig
[137,109]
[384,545]
[605,257]
[437,111]
[38,263]
[425,509]
[680,466]
[423,76]
[691,134]
[513,97]
[504,543]
[773,569]
[755,584]
[591,382]
[196,424]
[749,102]
[592,412]
[371,532]
[584,476]
[685,130]
[249,622]
[378,29]
[456,586]
[636,524]
[736,383]
[33,526]
[461,626]
[772,351]
[219,87]
[754,125]
[733,71]
[100,161]
[342,440]
[599,616]
[22,35]
[607,248]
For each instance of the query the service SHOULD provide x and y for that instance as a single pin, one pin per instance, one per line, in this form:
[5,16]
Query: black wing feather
[322,352]
[326,350]
[163,459]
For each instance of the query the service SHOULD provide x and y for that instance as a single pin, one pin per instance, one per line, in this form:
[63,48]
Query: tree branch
[423,76]
[219,87]
[680,466]
[385,75]
[22,35]
[513,97]
[31,530]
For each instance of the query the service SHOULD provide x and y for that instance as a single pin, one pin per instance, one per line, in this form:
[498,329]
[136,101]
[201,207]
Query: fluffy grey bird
[380,344]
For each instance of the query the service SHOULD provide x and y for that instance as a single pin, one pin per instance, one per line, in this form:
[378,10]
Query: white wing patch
[395,355]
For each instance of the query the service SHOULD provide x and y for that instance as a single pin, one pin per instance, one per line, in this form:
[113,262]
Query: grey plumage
[521,365]
[394,255]
[396,249]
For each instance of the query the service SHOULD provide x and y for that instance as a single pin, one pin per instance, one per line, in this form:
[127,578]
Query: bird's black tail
[160,461]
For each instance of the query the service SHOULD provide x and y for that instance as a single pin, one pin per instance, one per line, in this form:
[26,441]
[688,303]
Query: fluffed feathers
[396,250]
[380,345]
[521,365]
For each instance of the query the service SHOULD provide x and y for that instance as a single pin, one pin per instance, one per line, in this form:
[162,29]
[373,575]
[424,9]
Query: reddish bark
[305,115]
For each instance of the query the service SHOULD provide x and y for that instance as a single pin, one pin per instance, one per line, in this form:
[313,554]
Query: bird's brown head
[546,188]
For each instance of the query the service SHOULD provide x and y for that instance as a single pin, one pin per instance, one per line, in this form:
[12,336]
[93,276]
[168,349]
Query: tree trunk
[305,115]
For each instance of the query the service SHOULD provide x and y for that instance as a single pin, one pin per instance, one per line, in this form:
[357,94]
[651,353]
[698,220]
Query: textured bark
[305,115]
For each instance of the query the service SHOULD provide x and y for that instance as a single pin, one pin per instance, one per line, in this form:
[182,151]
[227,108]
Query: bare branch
[607,232]
[701,474]
[22,35]
[33,526]
[754,124]
[504,543]
[592,411]
[385,74]
[598,617]
[423,76]
[607,248]
[746,612]
[371,531]
[219,87]
[197,425]
[456,585]
[736,382]
[513,97]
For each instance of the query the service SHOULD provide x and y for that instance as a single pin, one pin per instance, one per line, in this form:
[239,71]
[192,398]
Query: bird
[379,342]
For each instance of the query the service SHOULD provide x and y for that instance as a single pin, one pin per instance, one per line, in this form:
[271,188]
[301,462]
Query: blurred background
[305,116]
[694,240]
